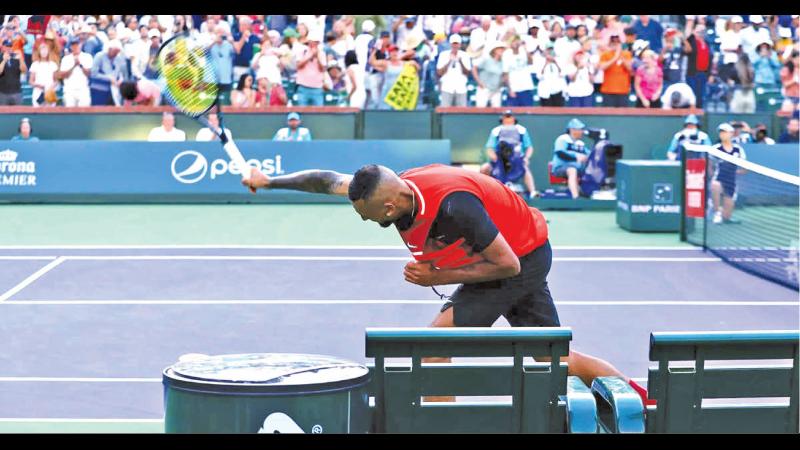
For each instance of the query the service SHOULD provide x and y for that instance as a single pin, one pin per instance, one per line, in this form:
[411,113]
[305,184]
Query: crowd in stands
[721,63]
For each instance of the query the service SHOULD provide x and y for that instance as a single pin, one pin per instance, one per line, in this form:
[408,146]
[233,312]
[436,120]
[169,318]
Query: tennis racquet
[191,85]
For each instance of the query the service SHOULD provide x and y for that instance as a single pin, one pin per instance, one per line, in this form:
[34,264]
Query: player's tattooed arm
[317,181]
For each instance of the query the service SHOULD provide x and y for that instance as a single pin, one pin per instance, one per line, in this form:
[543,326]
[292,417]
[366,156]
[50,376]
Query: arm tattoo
[318,181]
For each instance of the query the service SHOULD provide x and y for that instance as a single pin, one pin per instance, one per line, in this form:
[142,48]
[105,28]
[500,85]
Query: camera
[505,152]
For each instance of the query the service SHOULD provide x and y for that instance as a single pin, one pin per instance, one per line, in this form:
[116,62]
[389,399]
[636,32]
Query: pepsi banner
[126,171]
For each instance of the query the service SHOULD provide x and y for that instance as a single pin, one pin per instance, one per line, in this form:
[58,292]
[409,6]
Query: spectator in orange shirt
[617,66]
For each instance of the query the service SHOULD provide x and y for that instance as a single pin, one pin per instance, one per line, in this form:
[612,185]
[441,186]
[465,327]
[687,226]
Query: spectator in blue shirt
[766,67]
[243,42]
[294,132]
[649,30]
[517,136]
[570,155]
[222,53]
[691,134]
[25,131]
[112,67]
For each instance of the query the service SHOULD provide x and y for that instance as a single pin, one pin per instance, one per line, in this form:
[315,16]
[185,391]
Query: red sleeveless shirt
[523,227]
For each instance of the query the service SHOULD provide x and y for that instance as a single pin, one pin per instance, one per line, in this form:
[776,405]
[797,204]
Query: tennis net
[745,213]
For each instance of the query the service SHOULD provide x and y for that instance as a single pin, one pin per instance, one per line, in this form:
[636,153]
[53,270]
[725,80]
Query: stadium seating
[544,398]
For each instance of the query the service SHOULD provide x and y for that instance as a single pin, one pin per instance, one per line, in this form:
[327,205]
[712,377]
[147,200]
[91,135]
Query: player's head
[129,90]
[377,195]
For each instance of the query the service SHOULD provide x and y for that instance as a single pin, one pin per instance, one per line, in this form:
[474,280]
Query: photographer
[504,149]
[691,134]
[12,65]
[570,155]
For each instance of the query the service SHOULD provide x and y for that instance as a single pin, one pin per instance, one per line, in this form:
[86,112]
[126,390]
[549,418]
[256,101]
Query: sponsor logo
[657,209]
[16,173]
[279,422]
[190,166]
[662,193]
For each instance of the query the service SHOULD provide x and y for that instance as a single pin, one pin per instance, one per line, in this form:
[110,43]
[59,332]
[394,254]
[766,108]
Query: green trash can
[266,393]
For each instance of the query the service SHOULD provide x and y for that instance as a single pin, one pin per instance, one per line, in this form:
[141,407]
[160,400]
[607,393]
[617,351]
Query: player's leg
[486,169]
[529,184]
[572,181]
[728,201]
[716,192]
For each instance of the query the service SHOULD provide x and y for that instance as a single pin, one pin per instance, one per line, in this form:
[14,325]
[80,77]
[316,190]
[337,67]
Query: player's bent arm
[500,262]
[317,181]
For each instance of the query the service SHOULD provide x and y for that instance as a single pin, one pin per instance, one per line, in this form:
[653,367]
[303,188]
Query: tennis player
[723,182]
[463,228]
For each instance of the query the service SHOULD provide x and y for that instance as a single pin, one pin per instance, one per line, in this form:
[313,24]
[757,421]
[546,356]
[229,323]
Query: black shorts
[728,186]
[524,299]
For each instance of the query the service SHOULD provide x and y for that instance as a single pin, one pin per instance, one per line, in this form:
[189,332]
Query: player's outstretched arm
[316,181]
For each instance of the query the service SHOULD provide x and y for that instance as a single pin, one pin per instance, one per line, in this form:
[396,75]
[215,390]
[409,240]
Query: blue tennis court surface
[88,330]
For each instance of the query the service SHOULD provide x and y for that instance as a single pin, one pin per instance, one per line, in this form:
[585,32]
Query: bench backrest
[679,391]
[534,388]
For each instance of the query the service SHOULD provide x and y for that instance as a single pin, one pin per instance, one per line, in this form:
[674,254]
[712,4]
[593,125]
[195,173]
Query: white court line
[354,258]
[395,302]
[70,420]
[78,380]
[32,258]
[300,247]
[35,276]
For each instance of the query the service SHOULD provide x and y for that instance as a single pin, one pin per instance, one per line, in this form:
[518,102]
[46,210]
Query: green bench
[543,398]
[679,391]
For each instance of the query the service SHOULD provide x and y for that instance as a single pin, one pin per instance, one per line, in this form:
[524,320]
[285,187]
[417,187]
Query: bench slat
[739,382]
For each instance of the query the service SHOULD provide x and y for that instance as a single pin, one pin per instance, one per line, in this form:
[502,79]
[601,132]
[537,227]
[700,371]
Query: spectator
[343,42]
[741,132]
[488,74]
[478,43]
[403,26]
[536,43]
[552,82]
[355,79]
[302,33]
[570,156]
[244,94]
[611,27]
[143,92]
[766,67]
[12,66]
[206,134]
[677,96]
[311,73]
[566,46]
[267,64]
[790,80]
[673,61]
[699,61]
[151,69]
[744,97]
[391,69]
[335,80]
[579,73]
[167,131]
[452,68]
[111,67]
[730,42]
[717,95]
[243,42]
[649,82]
[137,51]
[75,69]
[690,133]
[42,77]
[723,182]
[649,30]
[753,35]
[617,67]
[312,24]
[630,39]
[516,74]
[25,131]
[379,51]
[294,132]
[364,42]
[761,135]
[791,134]
[91,43]
[514,166]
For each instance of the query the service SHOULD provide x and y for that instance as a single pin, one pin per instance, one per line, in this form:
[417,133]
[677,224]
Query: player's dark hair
[364,182]
[129,90]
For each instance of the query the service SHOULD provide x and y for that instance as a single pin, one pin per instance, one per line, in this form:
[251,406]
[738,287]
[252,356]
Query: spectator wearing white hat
[478,38]
[536,42]
[91,43]
[452,69]
[310,76]
[753,35]
[75,69]
[517,74]
[488,73]
[730,41]
[112,67]
[363,42]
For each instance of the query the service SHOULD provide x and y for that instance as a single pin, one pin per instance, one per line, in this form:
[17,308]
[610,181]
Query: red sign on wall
[695,188]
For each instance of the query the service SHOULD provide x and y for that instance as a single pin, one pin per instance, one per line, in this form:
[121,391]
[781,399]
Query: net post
[705,207]
[682,190]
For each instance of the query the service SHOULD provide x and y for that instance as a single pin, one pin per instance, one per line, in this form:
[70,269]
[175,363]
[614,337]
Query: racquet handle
[236,157]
